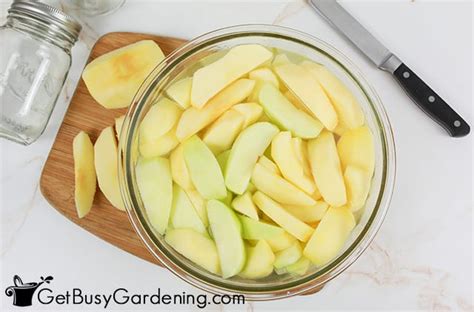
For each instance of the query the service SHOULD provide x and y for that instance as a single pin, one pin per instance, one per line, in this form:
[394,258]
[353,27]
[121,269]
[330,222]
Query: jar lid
[51,16]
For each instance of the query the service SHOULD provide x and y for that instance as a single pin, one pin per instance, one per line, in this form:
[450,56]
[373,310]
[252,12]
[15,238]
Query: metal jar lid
[54,18]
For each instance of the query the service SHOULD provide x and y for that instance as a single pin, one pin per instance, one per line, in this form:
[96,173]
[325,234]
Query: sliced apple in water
[278,188]
[106,164]
[195,246]
[308,214]
[227,233]
[193,119]
[300,267]
[250,111]
[288,256]
[290,166]
[160,146]
[269,164]
[249,145]
[211,79]
[281,241]
[330,236]
[302,83]
[356,147]
[261,76]
[222,133]
[349,112]
[260,260]
[113,78]
[199,204]
[286,220]
[156,190]
[301,150]
[179,171]
[255,230]
[180,91]
[297,102]
[280,59]
[183,213]
[287,116]
[222,160]
[357,184]
[204,169]
[326,169]
[244,204]
[84,173]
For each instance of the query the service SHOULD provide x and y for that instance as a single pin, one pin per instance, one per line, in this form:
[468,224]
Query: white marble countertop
[422,257]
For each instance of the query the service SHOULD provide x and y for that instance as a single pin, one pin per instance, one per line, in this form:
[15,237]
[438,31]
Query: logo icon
[23,292]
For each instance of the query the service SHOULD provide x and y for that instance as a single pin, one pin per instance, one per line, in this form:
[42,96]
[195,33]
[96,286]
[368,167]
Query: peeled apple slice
[180,91]
[204,169]
[260,260]
[244,204]
[300,267]
[226,230]
[160,146]
[249,145]
[193,119]
[196,247]
[269,165]
[330,235]
[254,230]
[222,133]
[308,214]
[281,241]
[250,111]
[356,147]
[106,164]
[357,184]
[199,204]
[262,76]
[280,59]
[301,151]
[113,78]
[183,214]
[179,171]
[288,256]
[156,190]
[84,173]
[211,79]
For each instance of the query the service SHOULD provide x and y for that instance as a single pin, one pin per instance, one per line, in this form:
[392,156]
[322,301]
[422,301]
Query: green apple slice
[221,134]
[196,247]
[156,190]
[179,171]
[244,204]
[227,233]
[204,169]
[288,256]
[259,261]
[249,145]
[199,204]
[255,230]
[180,91]
[300,267]
[183,214]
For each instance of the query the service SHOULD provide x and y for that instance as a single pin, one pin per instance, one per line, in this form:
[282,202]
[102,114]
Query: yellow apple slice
[197,247]
[84,173]
[261,76]
[222,133]
[280,241]
[300,267]
[357,184]
[183,213]
[356,147]
[199,204]
[288,256]
[193,119]
[211,79]
[260,260]
[249,145]
[278,188]
[297,102]
[179,171]
[250,111]
[113,78]
[106,166]
[244,204]
[326,169]
[349,112]
[156,190]
[118,125]
[204,169]
[180,91]
[160,146]
[280,59]
[283,218]
[308,90]
[330,235]
[159,120]
[285,157]
[301,150]
[269,164]
[308,214]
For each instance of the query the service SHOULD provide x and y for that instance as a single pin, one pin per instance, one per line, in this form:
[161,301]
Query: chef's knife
[430,102]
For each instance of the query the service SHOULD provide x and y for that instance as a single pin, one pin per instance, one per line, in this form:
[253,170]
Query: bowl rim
[337,265]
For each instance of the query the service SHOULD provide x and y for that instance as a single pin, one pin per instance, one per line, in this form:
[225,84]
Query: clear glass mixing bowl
[181,63]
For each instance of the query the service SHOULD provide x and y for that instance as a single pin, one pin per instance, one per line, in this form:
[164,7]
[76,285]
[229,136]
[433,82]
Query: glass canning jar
[35,58]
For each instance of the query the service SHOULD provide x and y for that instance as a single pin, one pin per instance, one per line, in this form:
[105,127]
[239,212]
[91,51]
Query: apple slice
[118,125]
[349,112]
[244,204]
[356,147]
[193,119]
[250,111]
[183,214]
[180,91]
[288,117]
[222,133]
[297,102]
[280,59]
[330,236]
[290,166]
[269,165]
[261,76]
[300,267]
[156,190]
[308,90]
[260,260]
[84,173]
[222,160]
[226,230]
[179,171]
[106,164]
[357,184]
[327,169]
[255,230]
[199,204]
[282,217]
[196,247]
[204,169]
[308,214]
[113,78]
[288,256]
[211,79]
[301,150]
[249,145]
[278,188]
[281,241]
[160,146]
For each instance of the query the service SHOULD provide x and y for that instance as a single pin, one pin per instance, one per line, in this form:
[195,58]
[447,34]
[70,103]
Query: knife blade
[427,99]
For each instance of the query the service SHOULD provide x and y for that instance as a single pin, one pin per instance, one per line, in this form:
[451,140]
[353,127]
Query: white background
[422,256]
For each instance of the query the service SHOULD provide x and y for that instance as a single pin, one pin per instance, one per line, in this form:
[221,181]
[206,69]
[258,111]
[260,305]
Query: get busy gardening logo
[37,293]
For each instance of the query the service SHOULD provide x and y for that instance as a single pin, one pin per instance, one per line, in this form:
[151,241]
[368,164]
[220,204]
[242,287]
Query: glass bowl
[183,62]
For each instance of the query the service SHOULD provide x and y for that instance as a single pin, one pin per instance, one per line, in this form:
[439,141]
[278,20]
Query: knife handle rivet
[406,75]
[431,99]
[457,123]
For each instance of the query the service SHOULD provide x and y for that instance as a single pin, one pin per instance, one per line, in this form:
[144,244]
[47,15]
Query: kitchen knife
[430,102]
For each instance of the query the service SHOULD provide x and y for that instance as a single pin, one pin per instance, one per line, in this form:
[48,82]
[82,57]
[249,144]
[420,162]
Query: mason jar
[35,58]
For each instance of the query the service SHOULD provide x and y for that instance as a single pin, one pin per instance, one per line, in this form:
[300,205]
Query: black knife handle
[430,102]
